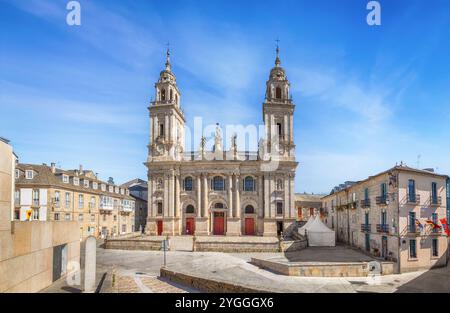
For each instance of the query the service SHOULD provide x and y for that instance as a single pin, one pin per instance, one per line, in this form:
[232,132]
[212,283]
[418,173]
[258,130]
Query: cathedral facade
[232,193]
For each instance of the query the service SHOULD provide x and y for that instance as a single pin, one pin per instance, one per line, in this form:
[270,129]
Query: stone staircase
[181,243]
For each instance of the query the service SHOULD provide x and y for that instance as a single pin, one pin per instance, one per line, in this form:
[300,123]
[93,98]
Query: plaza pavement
[138,271]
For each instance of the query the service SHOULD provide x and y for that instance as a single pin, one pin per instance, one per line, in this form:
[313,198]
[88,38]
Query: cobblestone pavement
[144,284]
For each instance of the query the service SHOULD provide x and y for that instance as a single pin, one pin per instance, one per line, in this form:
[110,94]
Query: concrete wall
[26,255]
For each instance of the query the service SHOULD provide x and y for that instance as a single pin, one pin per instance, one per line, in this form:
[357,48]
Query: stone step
[181,243]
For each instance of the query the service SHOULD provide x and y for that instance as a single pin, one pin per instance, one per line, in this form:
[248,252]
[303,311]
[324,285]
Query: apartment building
[396,215]
[139,191]
[307,205]
[47,193]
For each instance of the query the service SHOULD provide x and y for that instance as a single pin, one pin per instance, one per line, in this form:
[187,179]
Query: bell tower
[167,121]
[278,111]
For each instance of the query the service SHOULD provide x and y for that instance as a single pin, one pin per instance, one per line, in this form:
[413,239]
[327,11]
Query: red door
[159,226]
[299,214]
[219,222]
[249,226]
[190,226]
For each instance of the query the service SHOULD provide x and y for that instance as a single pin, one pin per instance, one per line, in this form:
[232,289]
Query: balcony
[126,209]
[106,207]
[365,203]
[365,227]
[435,201]
[413,230]
[382,228]
[381,200]
[412,198]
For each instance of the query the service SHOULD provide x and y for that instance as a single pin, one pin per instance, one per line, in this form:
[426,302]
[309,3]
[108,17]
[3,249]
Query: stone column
[151,131]
[273,213]
[287,194]
[166,195]
[205,196]
[166,126]
[260,195]
[150,208]
[266,197]
[286,132]
[177,195]
[90,257]
[171,194]
[291,126]
[199,197]
[292,195]
[230,196]
[155,128]
[238,200]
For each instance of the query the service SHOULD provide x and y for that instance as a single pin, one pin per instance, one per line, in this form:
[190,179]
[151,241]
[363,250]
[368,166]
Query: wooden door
[249,226]
[219,223]
[159,226]
[190,226]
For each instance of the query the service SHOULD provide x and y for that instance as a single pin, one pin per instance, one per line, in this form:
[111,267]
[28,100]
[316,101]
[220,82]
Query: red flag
[445,225]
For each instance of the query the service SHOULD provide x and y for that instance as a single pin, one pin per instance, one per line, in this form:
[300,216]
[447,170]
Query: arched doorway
[218,216]
[190,220]
[249,221]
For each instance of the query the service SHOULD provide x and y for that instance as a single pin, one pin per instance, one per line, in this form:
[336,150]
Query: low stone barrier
[140,243]
[311,269]
[293,245]
[237,244]
[207,284]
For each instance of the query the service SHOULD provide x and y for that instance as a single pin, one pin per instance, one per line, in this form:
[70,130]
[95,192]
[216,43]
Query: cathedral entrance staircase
[181,243]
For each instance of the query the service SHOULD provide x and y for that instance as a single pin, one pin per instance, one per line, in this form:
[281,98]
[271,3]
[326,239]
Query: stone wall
[207,285]
[237,244]
[348,269]
[134,243]
[26,259]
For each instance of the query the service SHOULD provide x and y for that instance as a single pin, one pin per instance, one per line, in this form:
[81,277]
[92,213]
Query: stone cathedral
[229,193]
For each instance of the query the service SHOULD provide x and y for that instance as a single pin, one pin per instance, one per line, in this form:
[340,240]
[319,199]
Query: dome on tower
[277,72]
[166,75]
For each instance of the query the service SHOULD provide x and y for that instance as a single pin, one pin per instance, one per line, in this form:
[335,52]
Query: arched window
[249,184]
[279,184]
[278,93]
[280,130]
[188,183]
[218,183]
[171,94]
[163,95]
[249,209]
[190,209]
[218,205]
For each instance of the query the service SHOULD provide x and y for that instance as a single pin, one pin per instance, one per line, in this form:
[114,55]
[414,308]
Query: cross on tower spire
[277,60]
[168,57]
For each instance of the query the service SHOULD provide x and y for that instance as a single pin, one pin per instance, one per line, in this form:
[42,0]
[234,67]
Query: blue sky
[366,97]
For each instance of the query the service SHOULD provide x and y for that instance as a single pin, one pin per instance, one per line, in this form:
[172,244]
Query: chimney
[81,169]
[76,172]
[53,167]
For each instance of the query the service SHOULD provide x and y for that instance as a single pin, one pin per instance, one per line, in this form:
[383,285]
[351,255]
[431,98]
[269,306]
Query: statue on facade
[218,138]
